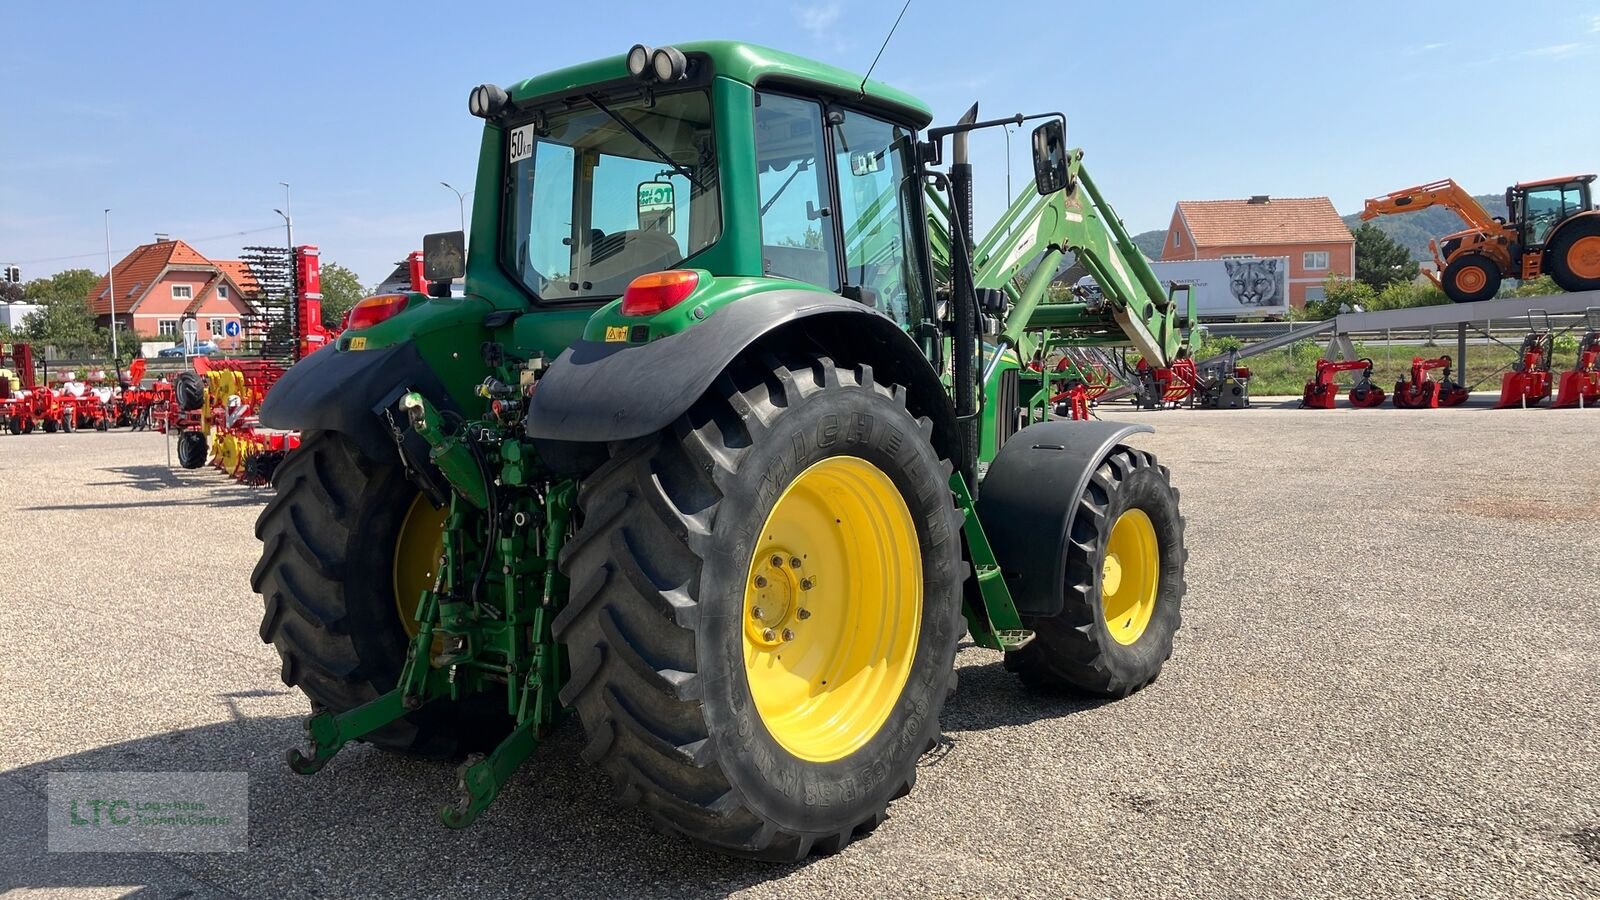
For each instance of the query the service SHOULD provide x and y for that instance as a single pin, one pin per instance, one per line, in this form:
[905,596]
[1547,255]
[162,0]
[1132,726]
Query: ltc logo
[100,812]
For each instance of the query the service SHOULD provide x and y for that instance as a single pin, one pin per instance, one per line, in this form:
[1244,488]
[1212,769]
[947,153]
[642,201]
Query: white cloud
[1594,24]
[819,19]
[1554,51]
[1428,48]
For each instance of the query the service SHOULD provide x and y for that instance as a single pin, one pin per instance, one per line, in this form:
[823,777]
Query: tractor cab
[1537,207]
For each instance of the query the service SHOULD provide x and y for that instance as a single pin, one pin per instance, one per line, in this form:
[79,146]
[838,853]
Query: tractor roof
[748,63]
[1545,182]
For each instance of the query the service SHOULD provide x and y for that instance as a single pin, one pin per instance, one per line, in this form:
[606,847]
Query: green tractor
[727,445]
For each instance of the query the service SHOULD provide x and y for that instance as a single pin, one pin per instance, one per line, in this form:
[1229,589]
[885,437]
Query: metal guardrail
[1491,319]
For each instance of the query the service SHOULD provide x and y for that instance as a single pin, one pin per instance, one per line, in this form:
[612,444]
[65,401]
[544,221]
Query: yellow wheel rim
[1130,576]
[832,609]
[416,558]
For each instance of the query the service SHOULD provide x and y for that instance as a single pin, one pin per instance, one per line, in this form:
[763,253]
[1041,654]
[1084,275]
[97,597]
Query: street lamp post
[461,204]
[294,281]
[287,213]
[111,291]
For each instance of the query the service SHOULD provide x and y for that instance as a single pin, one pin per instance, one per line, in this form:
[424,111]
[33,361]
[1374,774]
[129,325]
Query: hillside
[1150,242]
[1413,230]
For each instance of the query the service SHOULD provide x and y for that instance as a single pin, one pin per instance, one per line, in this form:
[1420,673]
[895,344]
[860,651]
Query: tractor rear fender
[1029,496]
[1566,224]
[352,392]
[611,391]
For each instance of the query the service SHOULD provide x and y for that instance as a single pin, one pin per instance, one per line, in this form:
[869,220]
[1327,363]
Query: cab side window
[878,212]
[797,239]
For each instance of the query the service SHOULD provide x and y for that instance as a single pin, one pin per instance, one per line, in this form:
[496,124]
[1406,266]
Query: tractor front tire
[1573,258]
[1124,585]
[330,539]
[1471,277]
[765,608]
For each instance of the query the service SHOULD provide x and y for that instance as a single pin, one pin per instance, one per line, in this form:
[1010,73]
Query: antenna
[863,91]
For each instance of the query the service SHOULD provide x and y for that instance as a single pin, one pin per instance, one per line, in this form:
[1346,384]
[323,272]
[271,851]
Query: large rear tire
[1471,277]
[331,538]
[1125,585]
[686,598]
[1573,258]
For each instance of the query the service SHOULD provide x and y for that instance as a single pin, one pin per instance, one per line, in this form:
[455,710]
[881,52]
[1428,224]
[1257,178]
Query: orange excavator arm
[1444,193]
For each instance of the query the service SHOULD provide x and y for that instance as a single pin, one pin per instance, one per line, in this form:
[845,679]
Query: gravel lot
[1387,685]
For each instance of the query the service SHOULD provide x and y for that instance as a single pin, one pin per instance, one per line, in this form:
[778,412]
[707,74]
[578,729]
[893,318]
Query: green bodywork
[491,608]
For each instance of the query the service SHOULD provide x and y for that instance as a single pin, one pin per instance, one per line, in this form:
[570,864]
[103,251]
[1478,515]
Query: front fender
[598,391]
[1027,500]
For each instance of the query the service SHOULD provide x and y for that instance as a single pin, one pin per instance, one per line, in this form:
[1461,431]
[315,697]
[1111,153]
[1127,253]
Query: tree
[72,284]
[340,291]
[1380,261]
[11,293]
[66,325]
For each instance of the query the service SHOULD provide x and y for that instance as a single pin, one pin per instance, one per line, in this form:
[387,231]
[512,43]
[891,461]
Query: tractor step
[1012,640]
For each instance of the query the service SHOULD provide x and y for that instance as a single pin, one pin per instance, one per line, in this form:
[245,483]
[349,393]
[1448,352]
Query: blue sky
[184,117]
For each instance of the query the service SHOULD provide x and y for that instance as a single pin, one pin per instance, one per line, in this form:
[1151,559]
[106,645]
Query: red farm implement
[16,388]
[1423,391]
[90,402]
[1323,388]
[1581,385]
[1528,382]
[214,410]
[1065,391]
[1166,386]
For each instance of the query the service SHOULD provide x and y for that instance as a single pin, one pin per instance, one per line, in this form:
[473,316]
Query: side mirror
[658,207]
[444,256]
[1050,157]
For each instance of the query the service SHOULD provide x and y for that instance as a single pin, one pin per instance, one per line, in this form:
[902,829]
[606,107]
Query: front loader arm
[1445,193]
[1037,230]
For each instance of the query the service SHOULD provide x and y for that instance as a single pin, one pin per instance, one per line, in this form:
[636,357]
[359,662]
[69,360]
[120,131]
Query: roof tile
[1281,220]
[144,265]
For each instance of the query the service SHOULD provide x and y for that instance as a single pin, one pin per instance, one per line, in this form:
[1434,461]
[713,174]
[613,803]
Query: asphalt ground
[1386,686]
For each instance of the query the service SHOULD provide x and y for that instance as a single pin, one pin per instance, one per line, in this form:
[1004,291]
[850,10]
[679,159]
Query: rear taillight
[372,310]
[657,291]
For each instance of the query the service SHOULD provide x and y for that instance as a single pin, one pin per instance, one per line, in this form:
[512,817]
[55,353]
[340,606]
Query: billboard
[1235,288]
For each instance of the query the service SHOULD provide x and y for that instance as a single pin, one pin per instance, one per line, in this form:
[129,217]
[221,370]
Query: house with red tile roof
[160,284]
[1307,230]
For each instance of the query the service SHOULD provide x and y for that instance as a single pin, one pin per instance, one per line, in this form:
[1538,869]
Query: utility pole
[288,217]
[461,204]
[111,291]
[293,316]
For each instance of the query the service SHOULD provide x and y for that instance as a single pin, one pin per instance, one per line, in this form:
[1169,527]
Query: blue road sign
[231,328]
